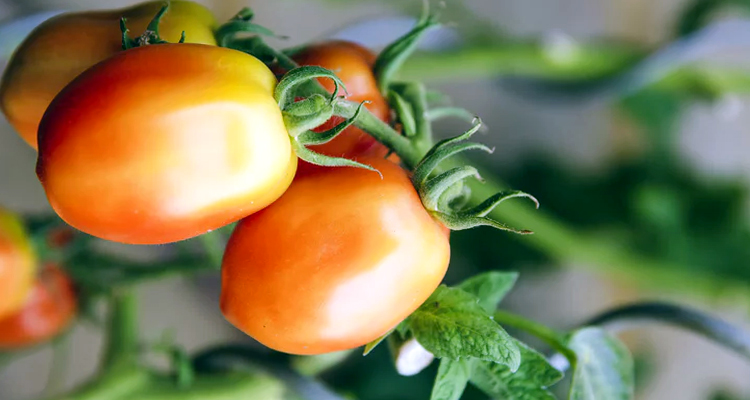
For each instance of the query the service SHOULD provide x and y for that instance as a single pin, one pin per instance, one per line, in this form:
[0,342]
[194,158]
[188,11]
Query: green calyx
[393,57]
[445,194]
[240,23]
[302,116]
[240,33]
[150,35]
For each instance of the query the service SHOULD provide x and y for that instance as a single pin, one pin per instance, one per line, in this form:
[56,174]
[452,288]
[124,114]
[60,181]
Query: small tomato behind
[47,311]
[339,260]
[163,143]
[353,64]
[17,263]
[64,46]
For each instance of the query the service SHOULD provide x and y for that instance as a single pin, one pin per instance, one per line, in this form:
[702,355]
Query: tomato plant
[46,311]
[17,263]
[160,142]
[64,46]
[361,251]
[353,65]
[183,138]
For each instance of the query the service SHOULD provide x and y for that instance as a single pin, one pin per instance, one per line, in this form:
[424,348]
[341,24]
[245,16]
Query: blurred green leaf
[451,379]
[604,369]
[530,382]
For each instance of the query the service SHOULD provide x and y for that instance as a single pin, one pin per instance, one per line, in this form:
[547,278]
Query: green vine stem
[555,339]
[59,363]
[596,253]
[225,358]
[589,62]
[122,331]
[710,327]
[381,131]
[116,384]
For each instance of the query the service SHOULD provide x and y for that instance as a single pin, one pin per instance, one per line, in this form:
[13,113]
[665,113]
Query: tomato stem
[382,132]
[573,247]
[553,338]
[122,330]
[59,364]
[391,59]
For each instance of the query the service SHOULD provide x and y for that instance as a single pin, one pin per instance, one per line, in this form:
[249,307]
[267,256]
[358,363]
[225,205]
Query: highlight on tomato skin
[17,263]
[163,143]
[64,46]
[47,311]
[339,260]
[353,64]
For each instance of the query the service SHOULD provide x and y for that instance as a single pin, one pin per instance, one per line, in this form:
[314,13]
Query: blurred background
[634,137]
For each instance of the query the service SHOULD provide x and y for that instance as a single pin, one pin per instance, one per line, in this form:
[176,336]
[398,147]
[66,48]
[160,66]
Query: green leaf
[452,324]
[327,161]
[604,369]
[490,287]
[372,345]
[530,382]
[451,379]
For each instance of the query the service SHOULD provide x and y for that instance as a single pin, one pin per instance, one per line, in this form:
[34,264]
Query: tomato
[339,260]
[47,311]
[165,142]
[64,46]
[353,64]
[17,263]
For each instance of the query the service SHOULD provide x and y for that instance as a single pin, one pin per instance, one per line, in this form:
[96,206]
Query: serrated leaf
[604,370]
[490,287]
[372,345]
[451,379]
[530,382]
[452,324]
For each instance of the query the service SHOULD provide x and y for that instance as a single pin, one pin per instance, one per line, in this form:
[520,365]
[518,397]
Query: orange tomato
[165,142]
[17,263]
[339,260]
[353,64]
[64,46]
[46,312]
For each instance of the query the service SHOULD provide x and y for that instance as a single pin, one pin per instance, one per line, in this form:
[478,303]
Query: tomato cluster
[48,309]
[164,142]
[17,263]
[34,306]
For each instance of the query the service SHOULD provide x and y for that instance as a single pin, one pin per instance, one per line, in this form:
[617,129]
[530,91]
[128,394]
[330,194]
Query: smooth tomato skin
[163,143]
[47,311]
[64,46]
[17,264]
[340,259]
[353,64]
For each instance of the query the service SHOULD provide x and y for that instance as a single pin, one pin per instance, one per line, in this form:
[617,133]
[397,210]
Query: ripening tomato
[340,259]
[353,64]
[64,46]
[47,311]
[17,263]
[165,142]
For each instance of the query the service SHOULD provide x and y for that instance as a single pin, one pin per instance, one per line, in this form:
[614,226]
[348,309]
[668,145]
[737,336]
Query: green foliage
[451,379]
[452,324]
[530,382]
[490,287]
[604,369]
